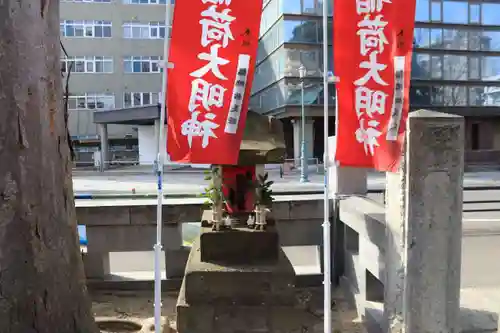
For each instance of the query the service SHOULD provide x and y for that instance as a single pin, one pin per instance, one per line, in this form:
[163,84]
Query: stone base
[240,246]
[228,318]
[208,283]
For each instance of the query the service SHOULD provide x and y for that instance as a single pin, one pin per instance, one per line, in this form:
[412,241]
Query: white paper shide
[216,35]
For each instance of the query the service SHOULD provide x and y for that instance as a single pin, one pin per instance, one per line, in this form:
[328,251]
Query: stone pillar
[297,139]
[103,136]
[424,227]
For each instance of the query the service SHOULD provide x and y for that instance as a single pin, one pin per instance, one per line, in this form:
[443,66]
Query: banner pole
[161,162]
[326,205]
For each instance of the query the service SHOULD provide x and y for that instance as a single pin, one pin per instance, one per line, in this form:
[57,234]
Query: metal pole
[161,160]
[327,283]
[303,169]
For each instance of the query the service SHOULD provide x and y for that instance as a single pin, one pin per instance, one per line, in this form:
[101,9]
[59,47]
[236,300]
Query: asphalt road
[192,182]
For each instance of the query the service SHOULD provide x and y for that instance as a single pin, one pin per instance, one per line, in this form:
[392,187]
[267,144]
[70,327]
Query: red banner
[212,51]
[373,41]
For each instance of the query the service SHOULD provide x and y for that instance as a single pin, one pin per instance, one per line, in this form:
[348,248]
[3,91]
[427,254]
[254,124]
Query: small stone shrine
[237,275]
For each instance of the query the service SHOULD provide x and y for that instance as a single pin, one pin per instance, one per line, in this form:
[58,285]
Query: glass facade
[456,59]
[291,35]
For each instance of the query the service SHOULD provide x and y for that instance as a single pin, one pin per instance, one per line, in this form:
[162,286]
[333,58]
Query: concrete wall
[80,122]
[133,228]
[147,144]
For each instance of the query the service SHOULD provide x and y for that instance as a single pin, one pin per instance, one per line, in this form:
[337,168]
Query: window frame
[84,25]
[94,60]
[143,59]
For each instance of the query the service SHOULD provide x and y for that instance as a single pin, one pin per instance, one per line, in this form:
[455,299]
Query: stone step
[207,283]
[242,319]
[239,246]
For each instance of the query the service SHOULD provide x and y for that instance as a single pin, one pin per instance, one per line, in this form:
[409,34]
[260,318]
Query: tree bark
[42,285]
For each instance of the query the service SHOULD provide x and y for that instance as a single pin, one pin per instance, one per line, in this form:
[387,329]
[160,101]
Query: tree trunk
[42,285]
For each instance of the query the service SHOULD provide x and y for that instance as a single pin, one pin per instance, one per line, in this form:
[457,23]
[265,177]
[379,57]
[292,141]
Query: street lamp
[303,157]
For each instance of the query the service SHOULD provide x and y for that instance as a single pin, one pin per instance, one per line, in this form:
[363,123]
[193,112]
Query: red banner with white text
[212,56]
[373,41]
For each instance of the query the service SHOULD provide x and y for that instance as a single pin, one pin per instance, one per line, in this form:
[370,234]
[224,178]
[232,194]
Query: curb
[102,196]
[174,195]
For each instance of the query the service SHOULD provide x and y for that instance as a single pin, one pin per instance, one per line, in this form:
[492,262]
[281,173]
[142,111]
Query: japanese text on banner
[218,77]
[374,79]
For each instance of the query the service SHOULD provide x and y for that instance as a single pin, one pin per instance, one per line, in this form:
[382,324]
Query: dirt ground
[138,307]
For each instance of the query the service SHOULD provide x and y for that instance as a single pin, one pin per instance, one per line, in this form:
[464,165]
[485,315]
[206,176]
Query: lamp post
[304,167]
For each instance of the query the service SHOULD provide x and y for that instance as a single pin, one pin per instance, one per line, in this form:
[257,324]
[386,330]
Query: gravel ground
[138,307]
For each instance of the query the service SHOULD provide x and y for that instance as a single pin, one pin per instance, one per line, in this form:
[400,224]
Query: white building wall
[147,147]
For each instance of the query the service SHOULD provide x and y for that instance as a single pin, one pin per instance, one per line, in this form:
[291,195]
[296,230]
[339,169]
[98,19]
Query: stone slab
[129,238]
[272,283]
[228,318]
[239,246]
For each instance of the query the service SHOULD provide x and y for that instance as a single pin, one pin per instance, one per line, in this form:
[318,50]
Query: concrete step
[209,282]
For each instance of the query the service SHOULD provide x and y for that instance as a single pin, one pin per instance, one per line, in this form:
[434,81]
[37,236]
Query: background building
[457,68]
[116,46]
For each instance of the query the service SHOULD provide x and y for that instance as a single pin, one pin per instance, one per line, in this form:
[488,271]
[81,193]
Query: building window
[301,31]
[436,11]
[92,64]
[86,29]
[147,2]
[474,13]
[91,101]
[86,1]
[151,30]
[422,11]
[456,12]
[490,13]
[142,64]
[139,98]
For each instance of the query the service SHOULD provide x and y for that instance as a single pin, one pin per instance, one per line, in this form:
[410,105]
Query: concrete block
[140,215]
[366,217]
[344,180]
[182,213]
[230,319]
[306,209]
[281,210]
[295,232]
[103,215]
[371,258]
[238,284]
[172,236]
[96,265]
[175,262]
[125,238]
[239,246]
[193,319]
